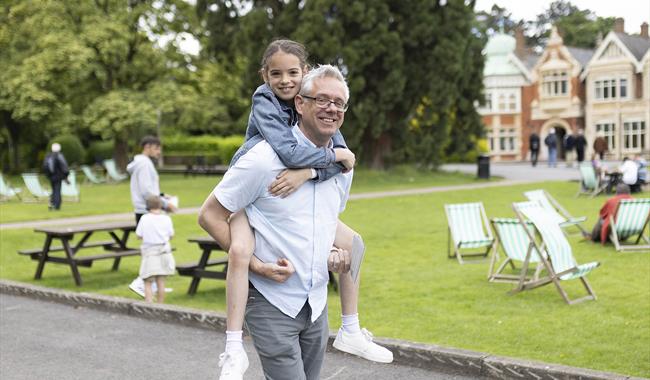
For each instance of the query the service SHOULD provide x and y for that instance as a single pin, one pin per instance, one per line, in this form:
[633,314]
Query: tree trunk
[120,154]
[14,136]
[380,148]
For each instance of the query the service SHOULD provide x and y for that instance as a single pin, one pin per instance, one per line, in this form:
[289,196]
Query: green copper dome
[497,52]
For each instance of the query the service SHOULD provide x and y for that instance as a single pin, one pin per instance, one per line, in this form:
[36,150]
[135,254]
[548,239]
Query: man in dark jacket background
[56,170]
[533,143]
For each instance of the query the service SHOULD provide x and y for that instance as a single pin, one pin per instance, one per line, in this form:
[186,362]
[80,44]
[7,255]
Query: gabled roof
[581,55]
[637,45]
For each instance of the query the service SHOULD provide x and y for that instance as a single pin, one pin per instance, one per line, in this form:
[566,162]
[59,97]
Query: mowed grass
[410,289]
[192,191]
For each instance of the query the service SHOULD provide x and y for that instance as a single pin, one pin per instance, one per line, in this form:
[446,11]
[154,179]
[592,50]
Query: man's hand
[338,260]
[279,271]
[345,157]
[289,181]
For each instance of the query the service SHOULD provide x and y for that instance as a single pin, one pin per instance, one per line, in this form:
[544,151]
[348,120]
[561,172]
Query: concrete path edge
[419,355]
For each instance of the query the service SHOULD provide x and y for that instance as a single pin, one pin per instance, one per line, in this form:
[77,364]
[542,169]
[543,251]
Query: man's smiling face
[320,124]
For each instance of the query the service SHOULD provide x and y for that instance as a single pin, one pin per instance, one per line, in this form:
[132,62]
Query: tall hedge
[71,148]
[222,148]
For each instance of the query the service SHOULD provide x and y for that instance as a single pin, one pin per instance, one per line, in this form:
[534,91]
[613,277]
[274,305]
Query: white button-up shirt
[300,227]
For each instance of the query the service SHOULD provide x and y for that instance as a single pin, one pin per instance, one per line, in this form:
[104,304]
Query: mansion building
[603,91]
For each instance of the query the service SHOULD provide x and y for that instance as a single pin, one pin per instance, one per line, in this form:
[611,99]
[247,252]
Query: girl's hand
[289,181]
[345,157]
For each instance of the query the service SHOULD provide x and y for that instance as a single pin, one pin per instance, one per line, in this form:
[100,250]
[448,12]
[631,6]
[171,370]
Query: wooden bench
[198,270]
[36,252]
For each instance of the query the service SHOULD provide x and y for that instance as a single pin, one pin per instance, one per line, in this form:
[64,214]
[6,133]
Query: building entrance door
[560,132]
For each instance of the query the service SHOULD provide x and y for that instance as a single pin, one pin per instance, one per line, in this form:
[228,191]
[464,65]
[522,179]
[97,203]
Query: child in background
[284,63]
[155,229]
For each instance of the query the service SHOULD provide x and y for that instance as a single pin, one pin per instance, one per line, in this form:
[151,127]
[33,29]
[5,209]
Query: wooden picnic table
[115,248]
[199,270]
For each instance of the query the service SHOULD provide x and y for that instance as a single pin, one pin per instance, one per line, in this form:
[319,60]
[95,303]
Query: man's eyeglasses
[324,103]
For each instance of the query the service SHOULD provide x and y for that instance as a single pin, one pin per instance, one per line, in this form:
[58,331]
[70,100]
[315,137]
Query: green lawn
[192,191]
[411,291]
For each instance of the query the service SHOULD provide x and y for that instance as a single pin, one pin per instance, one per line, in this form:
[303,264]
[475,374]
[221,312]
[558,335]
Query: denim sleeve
[326,173]
[267,116]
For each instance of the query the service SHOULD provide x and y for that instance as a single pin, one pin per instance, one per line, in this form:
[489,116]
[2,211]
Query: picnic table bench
[199,270]
[113,249]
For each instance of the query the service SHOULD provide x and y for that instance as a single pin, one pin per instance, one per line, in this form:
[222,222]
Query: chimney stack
[644,30]
[520,47]
[619,25]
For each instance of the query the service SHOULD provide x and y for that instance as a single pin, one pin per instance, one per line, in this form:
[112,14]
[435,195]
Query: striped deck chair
[557,212]
[71,190]
[469,229]
[90,176]
[589,183]
[112,173]
[34,188]
[514,242]
[632,218]
[554,251]
[6,191]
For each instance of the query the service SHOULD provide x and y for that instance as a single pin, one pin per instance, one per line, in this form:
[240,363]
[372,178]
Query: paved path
[43,340]
[513,174]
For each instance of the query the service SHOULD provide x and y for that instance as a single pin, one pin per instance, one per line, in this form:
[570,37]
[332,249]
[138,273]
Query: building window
[490,137]
[634,133]
[555,83]
[507,140]
[502,102]
[512,102]
[488,101]
[609,133]
[606,88]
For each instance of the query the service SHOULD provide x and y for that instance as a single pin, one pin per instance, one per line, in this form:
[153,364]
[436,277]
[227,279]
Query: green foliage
[209,146]
[99,151]
[71,148]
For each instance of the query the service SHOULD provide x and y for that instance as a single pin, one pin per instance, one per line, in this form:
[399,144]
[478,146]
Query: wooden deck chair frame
[570,220]
[7,192]
[473,256]
[71,192]
[551,275]
[44,195]
[89,176]
[598,187]
[614,234]
[497,275]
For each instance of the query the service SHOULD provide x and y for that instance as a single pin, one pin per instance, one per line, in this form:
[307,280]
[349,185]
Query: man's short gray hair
[320,72]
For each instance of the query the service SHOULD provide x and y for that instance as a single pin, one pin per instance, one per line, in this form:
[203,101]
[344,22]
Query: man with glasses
[288,321]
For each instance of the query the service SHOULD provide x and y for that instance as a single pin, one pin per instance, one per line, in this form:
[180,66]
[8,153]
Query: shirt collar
[304,140]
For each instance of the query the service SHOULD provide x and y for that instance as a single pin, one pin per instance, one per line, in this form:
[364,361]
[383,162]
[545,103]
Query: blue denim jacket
[271,119]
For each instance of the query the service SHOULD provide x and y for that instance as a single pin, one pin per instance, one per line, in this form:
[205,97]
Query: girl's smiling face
[284,75]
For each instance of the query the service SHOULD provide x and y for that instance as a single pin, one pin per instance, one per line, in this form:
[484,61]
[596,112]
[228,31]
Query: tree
[398,56]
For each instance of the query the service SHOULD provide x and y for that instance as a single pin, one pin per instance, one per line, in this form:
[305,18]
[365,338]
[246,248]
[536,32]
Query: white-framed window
[634,133]
[488,101]
[512,102]
[490,137]
[502,102]
[609,132]
[507,140]
[610,88]
[555,83]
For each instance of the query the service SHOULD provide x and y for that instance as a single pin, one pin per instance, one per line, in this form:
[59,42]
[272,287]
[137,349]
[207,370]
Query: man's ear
[299,103]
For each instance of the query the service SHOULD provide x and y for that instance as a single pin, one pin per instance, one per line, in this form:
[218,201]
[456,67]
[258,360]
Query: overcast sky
[634,12]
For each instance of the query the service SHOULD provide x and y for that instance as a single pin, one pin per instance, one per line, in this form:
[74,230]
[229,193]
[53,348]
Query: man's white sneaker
[233,365]
[361,344]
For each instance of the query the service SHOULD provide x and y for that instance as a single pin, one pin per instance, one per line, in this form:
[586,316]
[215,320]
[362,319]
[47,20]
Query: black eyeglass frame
[326,105]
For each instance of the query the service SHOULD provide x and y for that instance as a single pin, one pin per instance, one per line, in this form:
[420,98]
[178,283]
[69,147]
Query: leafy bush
[71,148]
[214,148]
[99,151]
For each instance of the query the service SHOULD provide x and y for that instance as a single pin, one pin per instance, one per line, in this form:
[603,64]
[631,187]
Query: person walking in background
[551,143]
[145,183]
[56,170]
[533,143]
[600,145]
[569,145]
[580,143]
[157,262]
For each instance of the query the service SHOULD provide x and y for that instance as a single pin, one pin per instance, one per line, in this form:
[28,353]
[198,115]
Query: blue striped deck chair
[558,213]
[34,187]
[468,228]
[112,173]
[554,250]
[71,190]
[90,176]
[6,191]
[631,218]
[589,182]
[513,241]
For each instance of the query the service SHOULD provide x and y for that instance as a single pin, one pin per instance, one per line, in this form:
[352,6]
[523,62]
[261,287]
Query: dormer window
[610,88]
[555,83]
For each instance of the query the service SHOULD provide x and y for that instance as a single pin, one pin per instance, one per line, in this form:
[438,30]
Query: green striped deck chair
[554,251]
[112,173]
[6,191]
[71,190]
[631,218]
[468,228]
[90,176]
[589,183]
[557,212]
[515,244]
[37,192]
